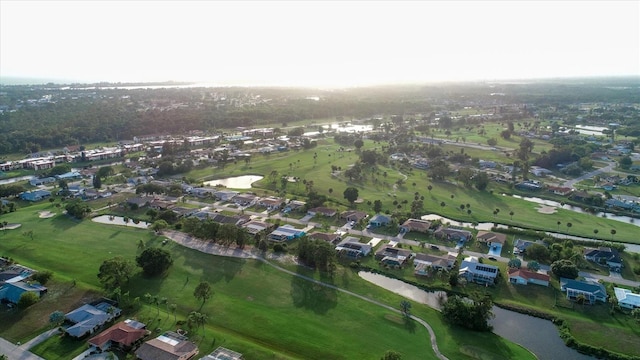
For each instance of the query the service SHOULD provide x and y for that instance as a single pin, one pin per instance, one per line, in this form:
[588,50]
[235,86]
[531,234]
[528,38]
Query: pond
[236,182]
[429,298]
[119,220]
[539,336]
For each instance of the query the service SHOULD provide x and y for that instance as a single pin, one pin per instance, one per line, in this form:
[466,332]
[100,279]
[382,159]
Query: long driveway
[215,249]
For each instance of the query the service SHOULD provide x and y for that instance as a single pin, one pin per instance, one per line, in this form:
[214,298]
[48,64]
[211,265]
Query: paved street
[21,352]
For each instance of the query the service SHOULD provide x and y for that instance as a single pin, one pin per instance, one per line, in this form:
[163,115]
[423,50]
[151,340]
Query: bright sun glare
[317,43]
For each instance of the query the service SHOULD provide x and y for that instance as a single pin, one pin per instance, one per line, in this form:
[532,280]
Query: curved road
[210,248]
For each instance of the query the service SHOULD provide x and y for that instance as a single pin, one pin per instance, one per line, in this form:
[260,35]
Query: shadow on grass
[313,296]
[214,268]
[64,222]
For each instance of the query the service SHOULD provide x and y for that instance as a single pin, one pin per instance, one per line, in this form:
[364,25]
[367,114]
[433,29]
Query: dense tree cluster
[318,254]
[78,209]
[472,314]
[154,261]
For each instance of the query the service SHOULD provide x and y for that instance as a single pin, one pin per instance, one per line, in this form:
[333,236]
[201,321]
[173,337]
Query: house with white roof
[627,299]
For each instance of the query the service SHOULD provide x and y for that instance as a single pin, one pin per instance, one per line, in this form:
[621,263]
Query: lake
[236,182]
[539,336]
[119,220]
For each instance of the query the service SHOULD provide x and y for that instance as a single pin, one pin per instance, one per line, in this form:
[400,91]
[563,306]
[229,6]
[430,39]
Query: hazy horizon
[317,44]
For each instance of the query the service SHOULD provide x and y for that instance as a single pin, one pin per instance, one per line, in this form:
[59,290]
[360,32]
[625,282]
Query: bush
[27,299]
[636,270]
[42,277]
[278,248]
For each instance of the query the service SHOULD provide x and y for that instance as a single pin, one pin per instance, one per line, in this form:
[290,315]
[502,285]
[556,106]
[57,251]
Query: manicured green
[255,308]
[482,203]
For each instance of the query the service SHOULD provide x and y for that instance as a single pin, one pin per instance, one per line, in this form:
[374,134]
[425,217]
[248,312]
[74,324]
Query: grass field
[482,203]
[255,309]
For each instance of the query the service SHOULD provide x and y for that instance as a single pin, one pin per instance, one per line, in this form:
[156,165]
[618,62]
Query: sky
[326,43]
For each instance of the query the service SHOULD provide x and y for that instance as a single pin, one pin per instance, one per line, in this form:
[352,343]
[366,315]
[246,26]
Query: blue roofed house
[88,318]
[472,270]
[35,195]
[285,233]
[605,255]
[11,292]
[627,299]
[592,291]
[379,220]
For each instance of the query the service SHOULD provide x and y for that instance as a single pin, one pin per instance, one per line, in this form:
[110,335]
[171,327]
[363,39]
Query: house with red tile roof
[123,335]
[525,277]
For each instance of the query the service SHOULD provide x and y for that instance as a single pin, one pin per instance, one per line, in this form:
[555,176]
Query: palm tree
[511,213]
[569,225]
[613,232]
[429,188]
[559,223]
[595,232]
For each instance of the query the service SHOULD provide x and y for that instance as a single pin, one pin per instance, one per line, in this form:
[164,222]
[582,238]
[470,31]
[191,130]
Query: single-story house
[69,176]
[284,233]
[445,262]
[605,255]
[559,190]
[123,335]
[626,298]
[12,291]
[271,203]
[379,220]
[528,186]
[225,195]
[353,215]
[592,291]
[392,256]
[331,238]
[520,246]
[245,199]
[491,238]
[183,211]
[138,180]
[524,277]
[418,225]
[539,171]
[353,249]
[140,201]
[254,226]
[294,205]
[452,234]
[472,270]
[35,195]
[321,210]
[168,346]
[202,192]
[223,354]
[88,318]
[42,181]
[158,204]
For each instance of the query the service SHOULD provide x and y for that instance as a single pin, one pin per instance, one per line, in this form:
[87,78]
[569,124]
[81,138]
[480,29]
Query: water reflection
[236,182]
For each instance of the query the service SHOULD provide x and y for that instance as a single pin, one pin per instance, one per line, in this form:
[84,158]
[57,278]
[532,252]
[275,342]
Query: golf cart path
[215,249]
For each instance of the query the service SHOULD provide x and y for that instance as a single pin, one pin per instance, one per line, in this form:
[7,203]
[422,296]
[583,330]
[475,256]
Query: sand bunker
[547,209]
[11,226]
[46,214]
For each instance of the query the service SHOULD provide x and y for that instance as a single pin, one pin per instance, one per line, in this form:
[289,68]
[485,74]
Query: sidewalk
[15,352]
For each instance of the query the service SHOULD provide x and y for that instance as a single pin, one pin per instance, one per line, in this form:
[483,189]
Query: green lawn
[378,185]
[256,309]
